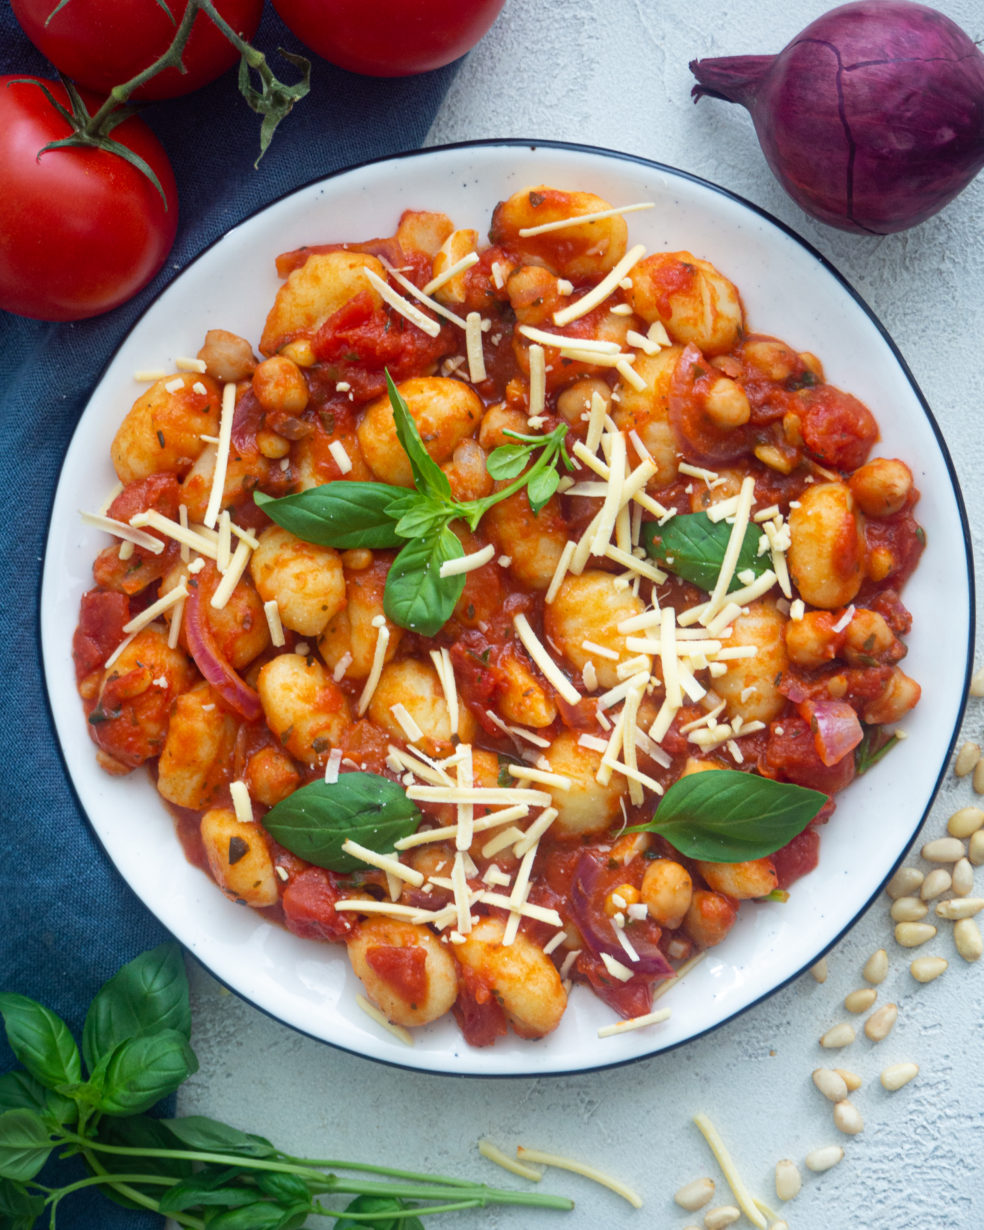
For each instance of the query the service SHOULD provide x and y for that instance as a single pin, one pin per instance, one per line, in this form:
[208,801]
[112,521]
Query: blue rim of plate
[663,168]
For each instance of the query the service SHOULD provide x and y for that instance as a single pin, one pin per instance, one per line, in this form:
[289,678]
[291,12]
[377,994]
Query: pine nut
[898,1074]
[905,882]
[967,937]
[847,1118]
[944,849]
[876,967]
[962,880]
[908,909]
[819,970]
[860,1000]
[977,781]
[723,1215]
[925,969]
[838,1036]
[965,822]
[830,1084]
[935,884]
[695,1195]
[960,907]
[977,683]
[788,1179]
[879,1025]
[819,1160]
[967,759]
[912,934]
[976,851]
[850,1079]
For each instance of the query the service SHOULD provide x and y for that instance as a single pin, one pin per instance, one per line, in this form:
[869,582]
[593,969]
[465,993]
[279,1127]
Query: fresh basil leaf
[141,1071]
[261,1215]
[732,817]
[508,460]
[416,596]
[148,994]
[338,514]
[428,476]
[282,1187]
[541,487]
[692,546]
[20,1091]
[217,1192]
[382,1207]
[315,821]
[150,1136]
[19,1209]
[213,1136]
[424,517]
[25,1143]
[41,1040]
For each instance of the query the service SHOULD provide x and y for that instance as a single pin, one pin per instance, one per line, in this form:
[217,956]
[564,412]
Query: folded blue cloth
[67,919]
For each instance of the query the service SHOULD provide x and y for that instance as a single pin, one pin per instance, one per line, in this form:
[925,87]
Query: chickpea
[467,471]
[324,283]
[899,695]
[197,751]
[726,404]
[812,641]
[666,892]
[303,706]
[238,858]
[391,989]
[445,412]
[770,357]
[523,979]
[869,639]
[279,384]
[827,548]
[755,878]
[228,357]
[305,580]
[271,445]
[587,807]
[710,917]
[881,487]
[496,421]
[270,775]
[574,402]
[619,899]
[588,608]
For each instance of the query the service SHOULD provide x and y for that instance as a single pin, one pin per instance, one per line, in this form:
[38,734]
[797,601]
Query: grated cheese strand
[148,616]
[436,282]
[403,306]
[607,286]
[381,1018]
[634,1022]
[493,1153]
[587,1172]
[525,232]
[473,348]
[119,529]
[378,657]
[538,652]
[744,1198]
[221,456]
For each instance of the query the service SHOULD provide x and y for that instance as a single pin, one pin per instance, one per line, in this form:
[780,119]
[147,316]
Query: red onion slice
[586,884]
[217,671]
[836,728]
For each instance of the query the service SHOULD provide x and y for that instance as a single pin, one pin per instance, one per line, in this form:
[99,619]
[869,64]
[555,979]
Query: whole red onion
[872,118]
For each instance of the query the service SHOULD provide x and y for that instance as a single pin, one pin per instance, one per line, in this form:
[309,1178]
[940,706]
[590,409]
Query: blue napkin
[67,919]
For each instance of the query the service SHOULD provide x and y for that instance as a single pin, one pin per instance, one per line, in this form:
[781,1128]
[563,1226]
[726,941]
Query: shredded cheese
[119,529]
[148,616]
[221,456]
[634,1022]
[381,1018]
[587,1172]
[599,293]
[744,1198]
[378,658]
[231,576]
[493,1153]
[468,563]
[526,232]
[403,306]
[242,806]
[440,279]
[538,652]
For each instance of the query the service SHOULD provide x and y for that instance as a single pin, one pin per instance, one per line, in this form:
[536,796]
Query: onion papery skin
[872,118]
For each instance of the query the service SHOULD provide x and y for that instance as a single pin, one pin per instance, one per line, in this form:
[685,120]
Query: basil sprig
[692,546]
[316,821]
[727,816]
[378,515]
[89,1104]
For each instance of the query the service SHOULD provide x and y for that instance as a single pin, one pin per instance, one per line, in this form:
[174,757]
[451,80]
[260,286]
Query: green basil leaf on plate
[339,514]
[416,596]
[693,546]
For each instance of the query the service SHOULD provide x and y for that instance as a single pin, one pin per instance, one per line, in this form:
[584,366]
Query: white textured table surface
[614,73]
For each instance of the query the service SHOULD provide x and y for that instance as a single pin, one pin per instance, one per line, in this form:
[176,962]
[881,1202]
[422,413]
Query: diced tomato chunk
[838,429]
[309,906]
[101,619]
[628,999]
[798,857]
[479,1014]
[791,754]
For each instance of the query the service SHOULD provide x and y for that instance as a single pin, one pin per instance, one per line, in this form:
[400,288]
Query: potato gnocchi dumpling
[414,670]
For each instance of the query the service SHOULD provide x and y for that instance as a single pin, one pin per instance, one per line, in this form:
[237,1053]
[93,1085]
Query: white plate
[788,290]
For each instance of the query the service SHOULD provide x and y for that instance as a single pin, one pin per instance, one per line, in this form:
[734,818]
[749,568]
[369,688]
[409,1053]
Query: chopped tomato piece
[309,906]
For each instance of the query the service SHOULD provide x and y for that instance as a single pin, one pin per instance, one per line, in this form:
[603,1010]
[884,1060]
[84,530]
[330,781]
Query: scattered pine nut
[838,1036]
[962,880]
[967,937]
[898,1074]
[908,909]
[830,1084]
[965,821]
[905,882]
[847,1118]
[967,758]
[861,999]
[912,934]
[975,851]
[977,683]
[819,1160]
[723,1215]
[695,1195]
[875,968]
[879,1025]
[850,1079]
[944,849]
[819,970]
[960,907]
[935,884]
[925,969]
[977,781]
[788,1179]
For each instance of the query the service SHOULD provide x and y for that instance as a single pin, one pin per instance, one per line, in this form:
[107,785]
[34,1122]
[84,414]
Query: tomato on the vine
[389,38]
[104,43]
[81,229]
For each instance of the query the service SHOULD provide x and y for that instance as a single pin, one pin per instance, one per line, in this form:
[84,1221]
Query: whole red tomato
[389,38]
[102,43]
[81,230]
